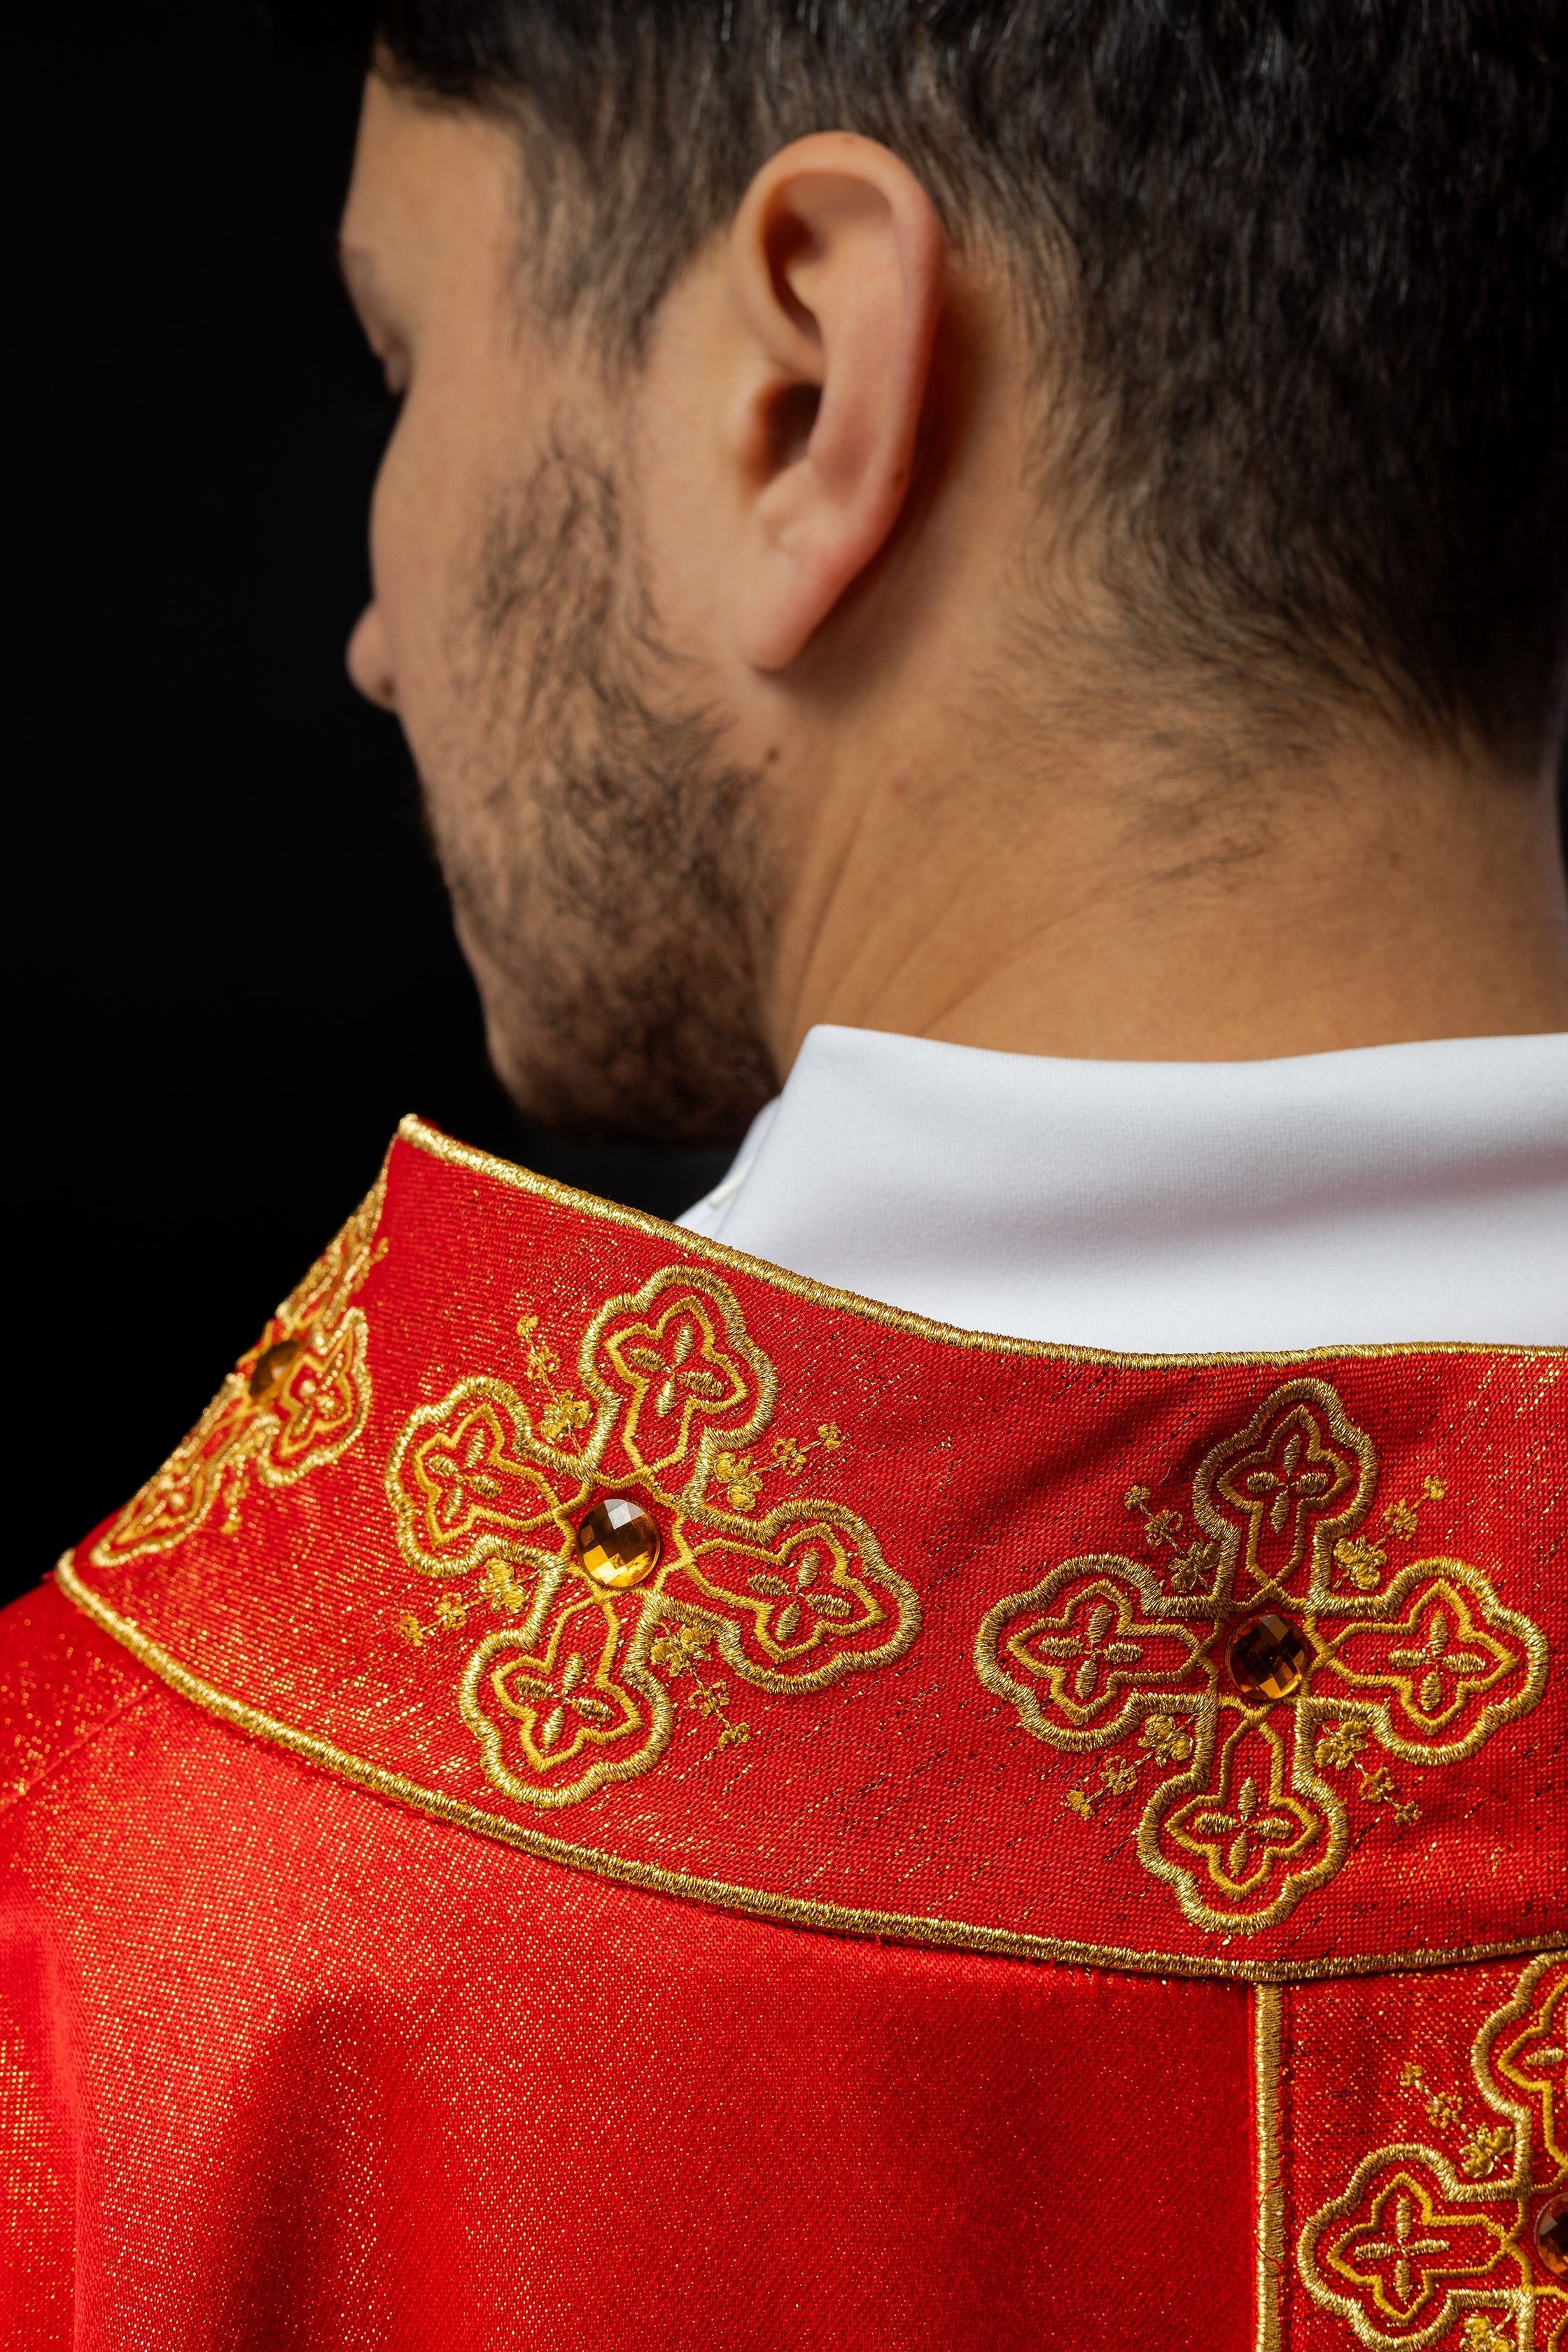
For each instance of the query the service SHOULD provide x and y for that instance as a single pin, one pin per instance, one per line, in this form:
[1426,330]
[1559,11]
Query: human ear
[369,660]
[836,264]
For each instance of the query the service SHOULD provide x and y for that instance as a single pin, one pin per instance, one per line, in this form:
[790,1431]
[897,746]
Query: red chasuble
[609,1796]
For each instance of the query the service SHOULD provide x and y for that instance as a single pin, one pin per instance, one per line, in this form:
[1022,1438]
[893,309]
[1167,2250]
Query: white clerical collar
[1397,1193]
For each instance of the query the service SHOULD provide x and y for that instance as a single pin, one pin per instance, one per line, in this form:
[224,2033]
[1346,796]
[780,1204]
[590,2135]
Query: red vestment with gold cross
[607,1794]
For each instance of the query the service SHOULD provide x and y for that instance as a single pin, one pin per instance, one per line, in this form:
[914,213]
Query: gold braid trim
[1268,2244]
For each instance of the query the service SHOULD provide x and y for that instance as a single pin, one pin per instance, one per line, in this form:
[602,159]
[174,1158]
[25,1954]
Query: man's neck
[1116,907]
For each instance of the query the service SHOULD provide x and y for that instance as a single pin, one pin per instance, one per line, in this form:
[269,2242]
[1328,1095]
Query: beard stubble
[603,857]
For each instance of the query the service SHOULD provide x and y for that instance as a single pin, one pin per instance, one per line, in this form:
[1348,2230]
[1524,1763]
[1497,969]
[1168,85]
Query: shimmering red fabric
[359,2078]
[833,1940]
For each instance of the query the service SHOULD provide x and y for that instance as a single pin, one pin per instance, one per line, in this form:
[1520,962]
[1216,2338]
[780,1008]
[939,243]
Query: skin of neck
[994,824]
[1097,894]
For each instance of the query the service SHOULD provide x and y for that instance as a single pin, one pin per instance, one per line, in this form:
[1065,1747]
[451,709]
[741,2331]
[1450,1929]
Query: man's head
[820,418]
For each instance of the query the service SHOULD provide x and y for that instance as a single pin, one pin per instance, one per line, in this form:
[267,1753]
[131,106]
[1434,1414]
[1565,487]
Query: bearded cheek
[595,847]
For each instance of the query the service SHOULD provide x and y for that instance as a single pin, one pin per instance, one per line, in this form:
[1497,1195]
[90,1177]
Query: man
[1000,567]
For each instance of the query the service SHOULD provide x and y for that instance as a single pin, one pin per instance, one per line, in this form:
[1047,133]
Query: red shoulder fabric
[606,1789]
[355,2076]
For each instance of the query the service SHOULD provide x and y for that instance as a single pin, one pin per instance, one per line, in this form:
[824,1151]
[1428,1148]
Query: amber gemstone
[270,1368]
[617,1543]
[1552,2235]
[1268,1657]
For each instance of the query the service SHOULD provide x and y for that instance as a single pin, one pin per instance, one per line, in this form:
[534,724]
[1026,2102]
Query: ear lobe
[836,263]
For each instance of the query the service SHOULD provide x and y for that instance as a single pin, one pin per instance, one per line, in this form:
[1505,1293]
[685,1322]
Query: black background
[233,965]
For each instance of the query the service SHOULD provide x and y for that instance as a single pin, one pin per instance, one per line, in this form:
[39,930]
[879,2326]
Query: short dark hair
[1308,256]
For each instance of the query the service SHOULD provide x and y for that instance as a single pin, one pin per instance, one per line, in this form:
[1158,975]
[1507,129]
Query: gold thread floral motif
[1241,1823]
[1338,1750]
[1414,2249]
[680,1649]
[1362,1560]
[295,1401]
[743,1479]
[575,1694]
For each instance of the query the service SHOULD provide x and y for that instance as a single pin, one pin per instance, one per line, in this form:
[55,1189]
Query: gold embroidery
[791,1454]
[675,1648]
[926,1928]
[755,1902]
[1194,1561]
[1412,2249]
[450,1613]
[562,1416]
[1117,1778]
[295,1401]
[1268,2232]
[1243,1825]
[565,1413]
[676,1381]
[1481,2336]
[1362,1560]
[1484,2150]
[1284,1475]
[1339,1745]
[1166,1740]
[464,1490]
[742,1479]
[1523,2051]
[1409,2242]
[1099,1655]
[575,1696]
[503,1588]
[1247,1830]
[1338,1750]
[679,1650]
[572,1704]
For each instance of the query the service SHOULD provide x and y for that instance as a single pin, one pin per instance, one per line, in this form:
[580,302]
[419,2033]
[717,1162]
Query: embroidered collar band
[588,1535]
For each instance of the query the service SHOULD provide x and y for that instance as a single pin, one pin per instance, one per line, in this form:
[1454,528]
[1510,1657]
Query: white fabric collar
[1397,1193]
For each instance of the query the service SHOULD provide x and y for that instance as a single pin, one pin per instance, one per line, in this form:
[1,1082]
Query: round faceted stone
[1269,1657]
[270,1368]
[618,1544]
[1552,2235]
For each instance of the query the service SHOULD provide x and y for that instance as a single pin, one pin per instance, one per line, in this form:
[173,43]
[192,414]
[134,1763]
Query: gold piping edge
[414,1130]
[1269,2231]
[834,1918]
